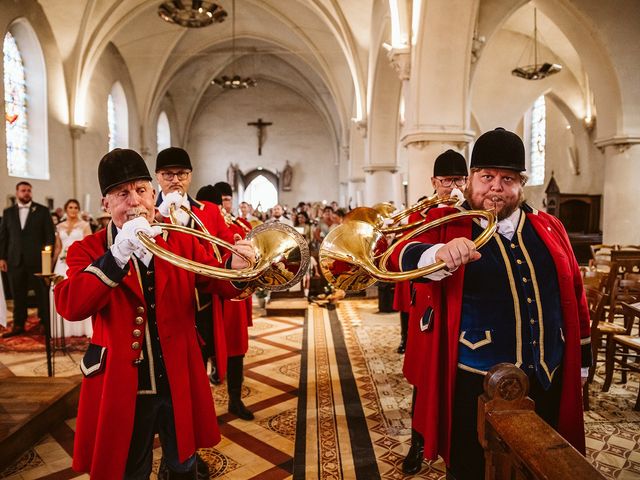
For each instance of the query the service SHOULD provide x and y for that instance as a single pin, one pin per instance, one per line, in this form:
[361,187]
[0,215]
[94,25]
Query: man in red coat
[237,317]
[174,173]
[520,300]
[449,173]
[143,372]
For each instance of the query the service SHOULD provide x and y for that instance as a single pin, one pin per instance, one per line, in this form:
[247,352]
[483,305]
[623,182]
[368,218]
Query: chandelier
[234,82]
[199,14]
[536,71]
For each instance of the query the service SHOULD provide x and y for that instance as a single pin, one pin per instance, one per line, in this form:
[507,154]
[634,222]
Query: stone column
[76,132]
[382,184]
[621,215]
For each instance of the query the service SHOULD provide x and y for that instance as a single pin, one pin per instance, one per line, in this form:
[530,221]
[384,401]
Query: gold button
[150,289]
[139,320]
[140,310]
[135,345]
[534,343]
[519,262]
[149,273]
[513,245]
[529,300]
[137,333]
[524,279]
[532,321]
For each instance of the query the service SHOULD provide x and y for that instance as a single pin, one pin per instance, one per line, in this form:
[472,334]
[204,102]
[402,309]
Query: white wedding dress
[71,329]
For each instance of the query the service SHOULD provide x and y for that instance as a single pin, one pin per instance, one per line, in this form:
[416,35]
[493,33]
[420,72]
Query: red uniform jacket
[434,403]
[237,314]
[210,215]
[108,398]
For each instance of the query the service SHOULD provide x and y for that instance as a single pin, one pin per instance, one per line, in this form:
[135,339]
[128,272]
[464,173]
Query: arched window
[261,192]
[117,118]
[15,108]
[163,132]
[25,100]
[538,141]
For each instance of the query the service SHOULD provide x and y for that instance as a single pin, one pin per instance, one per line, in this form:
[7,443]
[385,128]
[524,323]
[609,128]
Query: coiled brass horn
[353,256]
[281,256]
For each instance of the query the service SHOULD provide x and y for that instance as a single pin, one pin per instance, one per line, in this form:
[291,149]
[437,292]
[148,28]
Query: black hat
[209,194]
[498,148]
[121,165]
[450,164]
[173,157]
[223,188]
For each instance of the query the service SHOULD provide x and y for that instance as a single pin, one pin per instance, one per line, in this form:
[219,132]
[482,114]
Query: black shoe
[412,463]
[202,468]
[238,408]
[214,379]
[14,332]
[403,345]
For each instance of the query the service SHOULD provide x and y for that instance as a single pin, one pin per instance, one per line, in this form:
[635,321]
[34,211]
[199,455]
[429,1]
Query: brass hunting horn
[281,255]
[354,255]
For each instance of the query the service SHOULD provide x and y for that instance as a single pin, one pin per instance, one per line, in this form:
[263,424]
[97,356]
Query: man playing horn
[411,298]
[143,372]
[520,300]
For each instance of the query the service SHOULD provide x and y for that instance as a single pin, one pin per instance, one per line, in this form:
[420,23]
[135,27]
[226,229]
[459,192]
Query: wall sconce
[589,123]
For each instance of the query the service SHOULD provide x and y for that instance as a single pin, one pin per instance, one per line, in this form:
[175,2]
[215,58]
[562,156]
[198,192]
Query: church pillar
[382,184]
[621,215]
[76,132]
[437,104]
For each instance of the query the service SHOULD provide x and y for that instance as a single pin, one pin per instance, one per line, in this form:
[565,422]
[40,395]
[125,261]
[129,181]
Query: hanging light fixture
[536,71]
[234,82]
[199,13]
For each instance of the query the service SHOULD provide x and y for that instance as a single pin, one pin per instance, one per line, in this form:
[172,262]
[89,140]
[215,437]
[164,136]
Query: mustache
[137,212]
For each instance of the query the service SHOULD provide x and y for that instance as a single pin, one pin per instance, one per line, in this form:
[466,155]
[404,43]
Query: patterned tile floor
[265,447]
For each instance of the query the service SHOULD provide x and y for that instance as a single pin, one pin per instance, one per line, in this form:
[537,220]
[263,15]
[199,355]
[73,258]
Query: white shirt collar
[24,205]
[507,226]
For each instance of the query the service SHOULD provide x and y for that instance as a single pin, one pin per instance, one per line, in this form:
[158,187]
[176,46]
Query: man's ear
[105,204]
[433,182]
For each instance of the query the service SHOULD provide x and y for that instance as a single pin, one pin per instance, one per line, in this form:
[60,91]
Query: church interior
[322,101]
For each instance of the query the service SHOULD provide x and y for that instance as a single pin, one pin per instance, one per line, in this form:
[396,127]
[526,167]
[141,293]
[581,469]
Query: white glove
[458,194]
[127,243]
[176,200]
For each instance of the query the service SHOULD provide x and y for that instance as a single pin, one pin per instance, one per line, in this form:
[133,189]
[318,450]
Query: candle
[87,202]
[46,260]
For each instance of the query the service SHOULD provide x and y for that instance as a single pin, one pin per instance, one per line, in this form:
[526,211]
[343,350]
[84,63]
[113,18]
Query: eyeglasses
[448,181]
[168,176]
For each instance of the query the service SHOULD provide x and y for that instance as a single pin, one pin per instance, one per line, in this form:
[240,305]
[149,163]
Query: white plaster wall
[219,135]
[93,145]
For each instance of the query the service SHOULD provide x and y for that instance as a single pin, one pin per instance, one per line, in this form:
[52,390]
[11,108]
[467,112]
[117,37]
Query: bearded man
[520,300]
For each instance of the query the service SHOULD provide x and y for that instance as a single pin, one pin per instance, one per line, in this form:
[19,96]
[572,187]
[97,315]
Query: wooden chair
[625,264]
[595,278]
[599,330]
[623,351]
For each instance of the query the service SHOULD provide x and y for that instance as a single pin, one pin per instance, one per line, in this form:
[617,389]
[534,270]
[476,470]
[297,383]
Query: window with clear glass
[111,121]
[118,117]
[538,141]
[163,132]
[15,109]
[261,192]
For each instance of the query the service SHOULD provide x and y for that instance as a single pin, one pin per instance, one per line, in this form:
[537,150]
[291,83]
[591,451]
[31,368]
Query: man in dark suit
[25,230]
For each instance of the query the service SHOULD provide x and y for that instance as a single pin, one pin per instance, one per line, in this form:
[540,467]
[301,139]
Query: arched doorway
[261,189]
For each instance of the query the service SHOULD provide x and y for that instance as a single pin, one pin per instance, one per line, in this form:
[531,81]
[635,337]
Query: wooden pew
[518,444]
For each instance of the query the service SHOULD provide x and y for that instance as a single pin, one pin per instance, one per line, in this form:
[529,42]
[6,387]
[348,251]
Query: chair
[625,264]
[596,300]
[623,350]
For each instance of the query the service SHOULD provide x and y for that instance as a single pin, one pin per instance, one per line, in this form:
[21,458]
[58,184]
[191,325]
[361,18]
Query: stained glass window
[15,109]
[111,121]
[163,132]
[538,141]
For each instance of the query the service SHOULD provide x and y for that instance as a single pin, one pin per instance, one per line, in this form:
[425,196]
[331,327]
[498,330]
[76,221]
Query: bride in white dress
[69,231]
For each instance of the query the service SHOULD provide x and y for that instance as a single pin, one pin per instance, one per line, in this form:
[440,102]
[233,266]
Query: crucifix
[261,126]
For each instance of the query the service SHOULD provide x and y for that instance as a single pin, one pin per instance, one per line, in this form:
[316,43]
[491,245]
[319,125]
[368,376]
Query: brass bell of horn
[281,256]
[353,256]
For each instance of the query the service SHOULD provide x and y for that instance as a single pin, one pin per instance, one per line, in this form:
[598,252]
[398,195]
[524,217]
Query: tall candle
[46,260]
[87,202]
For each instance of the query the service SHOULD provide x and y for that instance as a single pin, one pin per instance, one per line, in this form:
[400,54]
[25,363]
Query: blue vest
[511,308]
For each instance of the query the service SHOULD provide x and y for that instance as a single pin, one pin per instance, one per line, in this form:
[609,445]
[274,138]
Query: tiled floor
[371,391]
